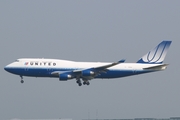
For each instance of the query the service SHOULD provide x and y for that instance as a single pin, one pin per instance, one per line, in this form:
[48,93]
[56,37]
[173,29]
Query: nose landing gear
[22,81]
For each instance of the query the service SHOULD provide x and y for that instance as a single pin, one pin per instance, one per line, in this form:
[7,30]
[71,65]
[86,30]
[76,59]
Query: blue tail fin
[156,55]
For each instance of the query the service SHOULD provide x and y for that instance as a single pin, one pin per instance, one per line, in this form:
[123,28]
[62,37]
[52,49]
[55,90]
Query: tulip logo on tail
[156,55]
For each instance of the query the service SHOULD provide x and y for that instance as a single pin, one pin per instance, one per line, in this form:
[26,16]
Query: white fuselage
[66,70]
[44,67]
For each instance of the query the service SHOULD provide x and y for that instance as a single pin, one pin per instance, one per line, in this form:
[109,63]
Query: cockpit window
[17,61]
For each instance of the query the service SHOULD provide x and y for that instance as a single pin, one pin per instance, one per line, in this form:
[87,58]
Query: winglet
[122,61]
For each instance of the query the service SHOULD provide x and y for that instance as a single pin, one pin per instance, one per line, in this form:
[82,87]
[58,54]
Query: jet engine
[65,76]
[87,73]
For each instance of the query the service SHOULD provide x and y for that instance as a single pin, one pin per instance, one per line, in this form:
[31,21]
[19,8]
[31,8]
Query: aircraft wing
[88,73]
[104,67]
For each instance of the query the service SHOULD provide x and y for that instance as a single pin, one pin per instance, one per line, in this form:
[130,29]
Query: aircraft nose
[6,68]
[11,68]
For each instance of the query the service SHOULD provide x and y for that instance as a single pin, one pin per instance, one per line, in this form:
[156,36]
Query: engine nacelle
[65,77]
[87,73]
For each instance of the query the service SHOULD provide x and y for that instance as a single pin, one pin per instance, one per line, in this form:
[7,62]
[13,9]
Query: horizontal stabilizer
[158,67]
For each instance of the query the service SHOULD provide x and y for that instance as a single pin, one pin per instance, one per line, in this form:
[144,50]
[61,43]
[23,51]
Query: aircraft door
[26,66]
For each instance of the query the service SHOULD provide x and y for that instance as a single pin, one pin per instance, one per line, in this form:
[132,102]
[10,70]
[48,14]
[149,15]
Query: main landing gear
[86,82]
[22,81]
[79,82]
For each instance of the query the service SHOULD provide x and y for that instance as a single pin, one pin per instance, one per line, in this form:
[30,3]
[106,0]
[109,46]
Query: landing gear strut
[22,81]
[78,81]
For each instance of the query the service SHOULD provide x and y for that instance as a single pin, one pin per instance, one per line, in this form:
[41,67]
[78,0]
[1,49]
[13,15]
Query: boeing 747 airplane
[86,71]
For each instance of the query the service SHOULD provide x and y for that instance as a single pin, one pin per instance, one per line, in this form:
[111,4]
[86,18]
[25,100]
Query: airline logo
[156,55]
[40,63]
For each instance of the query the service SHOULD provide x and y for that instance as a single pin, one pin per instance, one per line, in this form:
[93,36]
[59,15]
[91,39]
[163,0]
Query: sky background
[99,31]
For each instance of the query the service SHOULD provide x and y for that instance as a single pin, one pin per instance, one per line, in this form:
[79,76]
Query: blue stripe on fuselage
[46,72]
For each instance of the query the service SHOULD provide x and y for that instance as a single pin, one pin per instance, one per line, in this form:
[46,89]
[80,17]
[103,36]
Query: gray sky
[105,31]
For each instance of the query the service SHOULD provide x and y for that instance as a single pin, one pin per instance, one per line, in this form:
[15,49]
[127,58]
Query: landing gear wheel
[79,84]
[22,81]
[78,81]
[84,83]
[88,83]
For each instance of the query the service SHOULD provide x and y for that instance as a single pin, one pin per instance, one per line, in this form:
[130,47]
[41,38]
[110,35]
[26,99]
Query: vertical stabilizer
[156,55]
